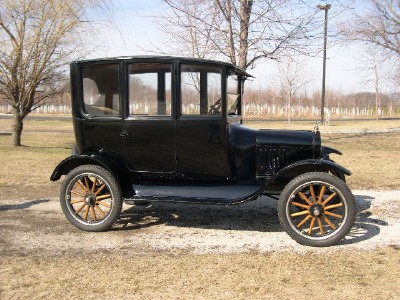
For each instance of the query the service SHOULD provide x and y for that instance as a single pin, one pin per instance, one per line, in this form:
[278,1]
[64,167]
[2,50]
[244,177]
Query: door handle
[125,134]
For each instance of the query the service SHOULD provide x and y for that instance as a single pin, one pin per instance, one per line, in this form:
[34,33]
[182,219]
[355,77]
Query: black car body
[170,129]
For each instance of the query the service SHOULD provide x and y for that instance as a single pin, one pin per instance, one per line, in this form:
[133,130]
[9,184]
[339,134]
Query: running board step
[212,194]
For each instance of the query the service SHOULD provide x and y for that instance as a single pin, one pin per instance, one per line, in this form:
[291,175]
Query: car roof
[163,58]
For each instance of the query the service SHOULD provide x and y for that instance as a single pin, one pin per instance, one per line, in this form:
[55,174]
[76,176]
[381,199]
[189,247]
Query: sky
[135,29]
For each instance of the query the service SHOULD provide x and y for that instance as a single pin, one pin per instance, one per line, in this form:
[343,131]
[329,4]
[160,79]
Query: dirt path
[38,227]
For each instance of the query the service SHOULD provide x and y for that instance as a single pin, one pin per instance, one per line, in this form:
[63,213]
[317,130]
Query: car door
[149,126]
[98,117]
[201,127]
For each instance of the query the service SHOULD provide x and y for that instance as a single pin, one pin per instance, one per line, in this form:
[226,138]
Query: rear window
[100,90]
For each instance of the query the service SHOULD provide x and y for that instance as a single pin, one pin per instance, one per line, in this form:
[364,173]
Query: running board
[210,194]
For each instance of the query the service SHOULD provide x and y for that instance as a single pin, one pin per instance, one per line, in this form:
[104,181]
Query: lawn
[25,171]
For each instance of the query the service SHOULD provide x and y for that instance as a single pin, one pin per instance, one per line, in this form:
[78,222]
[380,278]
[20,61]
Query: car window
[150,89]
[233,94]
[200,90]
[100,90]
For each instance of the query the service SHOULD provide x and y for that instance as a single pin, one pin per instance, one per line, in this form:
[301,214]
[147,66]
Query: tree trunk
[17,127]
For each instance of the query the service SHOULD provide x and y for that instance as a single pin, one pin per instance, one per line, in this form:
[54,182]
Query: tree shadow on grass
[24,205]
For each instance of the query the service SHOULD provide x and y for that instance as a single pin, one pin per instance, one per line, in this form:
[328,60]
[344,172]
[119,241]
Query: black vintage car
[170,129]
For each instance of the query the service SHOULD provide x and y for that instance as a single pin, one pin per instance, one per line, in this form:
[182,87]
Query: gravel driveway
[39,227]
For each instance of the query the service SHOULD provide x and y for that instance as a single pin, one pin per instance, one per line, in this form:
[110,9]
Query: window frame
[82,103]
[125,90]
[222,69]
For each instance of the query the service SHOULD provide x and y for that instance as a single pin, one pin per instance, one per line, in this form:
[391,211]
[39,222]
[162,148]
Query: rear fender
[70,163]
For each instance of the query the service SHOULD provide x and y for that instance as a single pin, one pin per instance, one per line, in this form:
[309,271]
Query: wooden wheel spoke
[99,198]
[330,198]
[87,183]
[301,205]
[334,206]
[93,213]
[81,186]
[100,189]
[333,215]
[77,201]
[304,221]
[100,210]
[80,208]
[321,227]
[313,193]
[104,204]
[86,212]
[311,226]
[305,198]
[300,213]
[94,184]
[329,222]
[321,194]
[77,193]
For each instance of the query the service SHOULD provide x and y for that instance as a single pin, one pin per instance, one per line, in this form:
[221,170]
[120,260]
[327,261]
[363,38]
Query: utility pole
[325,7]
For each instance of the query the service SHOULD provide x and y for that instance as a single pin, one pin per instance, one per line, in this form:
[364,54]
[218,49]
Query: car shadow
[260,215]
[366,226]
[24,205]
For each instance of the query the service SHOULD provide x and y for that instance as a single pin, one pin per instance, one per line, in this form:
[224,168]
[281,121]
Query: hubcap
[316,210]
[90,199]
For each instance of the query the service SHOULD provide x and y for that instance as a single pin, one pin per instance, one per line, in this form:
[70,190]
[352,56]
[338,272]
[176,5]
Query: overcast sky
[135,28]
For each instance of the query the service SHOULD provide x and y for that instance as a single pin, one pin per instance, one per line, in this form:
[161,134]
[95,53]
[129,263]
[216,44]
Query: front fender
[289,172]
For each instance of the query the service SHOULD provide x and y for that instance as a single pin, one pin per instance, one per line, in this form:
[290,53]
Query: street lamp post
[325,7]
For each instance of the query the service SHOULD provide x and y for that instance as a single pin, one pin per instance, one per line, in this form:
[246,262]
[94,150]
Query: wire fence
[257,111]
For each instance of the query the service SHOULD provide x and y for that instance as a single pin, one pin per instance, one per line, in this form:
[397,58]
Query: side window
[200,90]
[150,89]
[100,90]
[233,93]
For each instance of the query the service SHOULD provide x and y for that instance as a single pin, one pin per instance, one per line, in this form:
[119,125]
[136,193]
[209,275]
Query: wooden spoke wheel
[317,209]
[91,198]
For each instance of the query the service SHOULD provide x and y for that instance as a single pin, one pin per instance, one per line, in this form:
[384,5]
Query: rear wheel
[317,209]
[91,198]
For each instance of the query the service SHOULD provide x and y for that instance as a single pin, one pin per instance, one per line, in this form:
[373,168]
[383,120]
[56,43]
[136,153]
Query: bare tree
[373,67]
[37,38]
[379,25]
[241,32]
[293,78]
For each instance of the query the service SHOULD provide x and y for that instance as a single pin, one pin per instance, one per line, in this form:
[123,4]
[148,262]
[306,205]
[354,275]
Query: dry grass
[25,171]
[38,125]
[373,159]
[338,275]
[334,125]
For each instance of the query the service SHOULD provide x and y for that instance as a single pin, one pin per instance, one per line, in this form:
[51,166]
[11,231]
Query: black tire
[91,198]
[317,209]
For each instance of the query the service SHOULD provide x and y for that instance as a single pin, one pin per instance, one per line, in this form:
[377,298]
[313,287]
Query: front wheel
[91,198]
[317,209]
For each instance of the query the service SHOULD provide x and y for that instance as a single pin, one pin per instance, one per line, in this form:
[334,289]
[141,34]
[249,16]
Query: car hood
[300,139]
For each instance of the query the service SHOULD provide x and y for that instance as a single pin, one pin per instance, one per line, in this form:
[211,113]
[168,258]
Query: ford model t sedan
[170,129]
